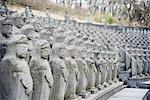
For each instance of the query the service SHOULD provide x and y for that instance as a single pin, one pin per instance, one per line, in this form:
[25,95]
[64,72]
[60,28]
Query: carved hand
[77,75]
[65,74]
[51,82]
[86,71]
[28,91]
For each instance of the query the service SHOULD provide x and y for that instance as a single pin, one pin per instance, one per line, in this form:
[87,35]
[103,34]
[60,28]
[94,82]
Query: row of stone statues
[47,59]
[69,67]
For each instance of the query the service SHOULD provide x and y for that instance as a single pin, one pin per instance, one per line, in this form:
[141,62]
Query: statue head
[44,48]
[90,53]
[59,50]
[7,24]
[37,25]
[82,52]
[18,21]
[29,31]
[19,44]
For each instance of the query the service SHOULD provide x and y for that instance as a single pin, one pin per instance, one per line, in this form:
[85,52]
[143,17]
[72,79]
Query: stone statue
[6,33]
[98,81]
[18,24]
[145,62]
[104,69]
[37,24]
[121,56]
[41,72]
[32,36]
[133,66]
[92,72]
[148,60]
[83,68]
[74,73]
[60,72]
[115,69]
[128,61]
[17,82]
[110,68]
[140,66]
[28,12]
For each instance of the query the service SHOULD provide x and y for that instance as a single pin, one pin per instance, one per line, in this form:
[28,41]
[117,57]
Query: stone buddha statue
[17,82]
[140,66]
[41,71]
[115,69]
[98,65]
[92,71]
[110,67]
[6,33]
[83,68]
[32,36]
[60,71]
[145,62]
[74,74]
[104,68]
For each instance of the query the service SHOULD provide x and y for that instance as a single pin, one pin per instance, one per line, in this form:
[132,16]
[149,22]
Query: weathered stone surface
[85,57]
[41,72]
[17,83]
[60,72]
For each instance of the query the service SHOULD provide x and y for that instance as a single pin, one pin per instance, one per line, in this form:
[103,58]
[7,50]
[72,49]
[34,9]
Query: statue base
[93,90]
[105,84]
[84,94]
[100,87]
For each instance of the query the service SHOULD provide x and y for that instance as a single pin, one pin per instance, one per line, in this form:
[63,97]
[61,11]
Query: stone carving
[121,56]
[6,33]
[28,12]
[41,72]
[83,68]
[140,66]
[17,83]
[104,69]
[3,11]
[32,36]
[98,81]
[60,72]
[148,60]
[145,62]
[74,73]
[37,24]
[92,72]
[110,68]
[18,24]
[115,69]
[133,66]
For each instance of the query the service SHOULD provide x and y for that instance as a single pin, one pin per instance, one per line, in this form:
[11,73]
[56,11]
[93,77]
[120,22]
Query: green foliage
[110,20]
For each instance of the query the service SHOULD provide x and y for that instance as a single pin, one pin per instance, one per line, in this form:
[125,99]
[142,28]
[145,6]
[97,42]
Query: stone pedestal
[106,92]
[124,75]
[134,82]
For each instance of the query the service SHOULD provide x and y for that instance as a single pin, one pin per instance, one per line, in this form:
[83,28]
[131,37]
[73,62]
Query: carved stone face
[45,52]
[18,22]
[21,50]
[92,55]
[74,53]
[32,34]
[83,53]
[7,30]
[62,52]
[37,27]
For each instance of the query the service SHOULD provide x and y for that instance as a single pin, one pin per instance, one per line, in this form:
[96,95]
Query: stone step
[129,94]
[107,92]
